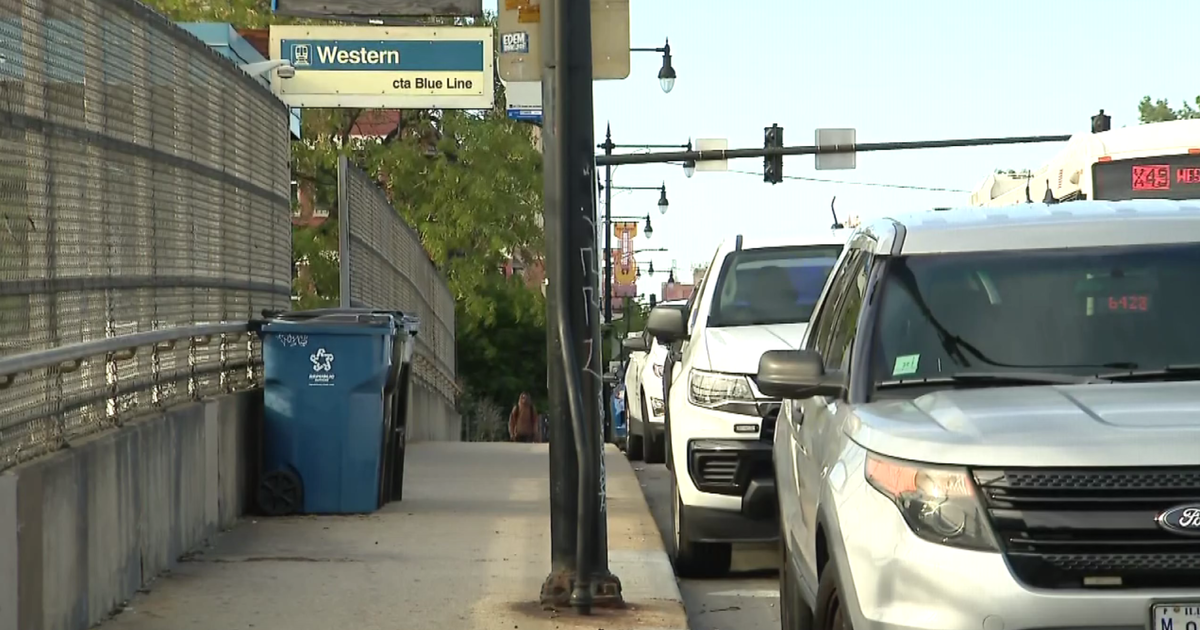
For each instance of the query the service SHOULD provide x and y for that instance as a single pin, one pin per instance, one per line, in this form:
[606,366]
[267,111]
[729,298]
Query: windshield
[1161,177]
[1063,311]
[771,286]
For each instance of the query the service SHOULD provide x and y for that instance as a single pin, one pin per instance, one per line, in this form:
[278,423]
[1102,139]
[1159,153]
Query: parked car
[757,296]
[646,406]
[994,422]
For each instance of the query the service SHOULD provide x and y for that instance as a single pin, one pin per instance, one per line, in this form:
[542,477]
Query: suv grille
[718,469]
[1058,528]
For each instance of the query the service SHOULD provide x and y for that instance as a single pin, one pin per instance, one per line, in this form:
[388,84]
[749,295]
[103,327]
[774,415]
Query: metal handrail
[77,352]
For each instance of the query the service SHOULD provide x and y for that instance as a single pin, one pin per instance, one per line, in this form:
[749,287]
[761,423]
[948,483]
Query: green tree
[506,353]
[1160,110]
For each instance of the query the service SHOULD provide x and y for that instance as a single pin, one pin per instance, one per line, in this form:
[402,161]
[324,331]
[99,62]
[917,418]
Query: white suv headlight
[723,392]
[938,502]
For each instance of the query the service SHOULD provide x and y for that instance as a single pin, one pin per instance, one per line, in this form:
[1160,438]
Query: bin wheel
[280,493]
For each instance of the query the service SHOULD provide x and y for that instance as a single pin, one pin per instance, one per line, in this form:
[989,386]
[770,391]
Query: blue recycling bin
[332,407]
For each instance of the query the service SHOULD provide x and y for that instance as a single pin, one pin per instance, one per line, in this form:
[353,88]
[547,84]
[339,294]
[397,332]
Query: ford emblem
[1181,519]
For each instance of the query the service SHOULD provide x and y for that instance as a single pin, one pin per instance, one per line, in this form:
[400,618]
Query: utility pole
[571,237]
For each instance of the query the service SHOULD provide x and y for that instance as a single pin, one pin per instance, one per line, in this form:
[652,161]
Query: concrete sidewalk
[467,549]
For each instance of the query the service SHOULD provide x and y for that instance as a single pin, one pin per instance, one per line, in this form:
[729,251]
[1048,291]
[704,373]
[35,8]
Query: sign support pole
[564,464]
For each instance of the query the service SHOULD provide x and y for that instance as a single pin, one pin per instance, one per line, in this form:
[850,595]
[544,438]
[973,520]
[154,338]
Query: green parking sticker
[906,364]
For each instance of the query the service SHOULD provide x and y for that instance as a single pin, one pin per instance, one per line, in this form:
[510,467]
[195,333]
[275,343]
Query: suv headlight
[938,503]
[723,392]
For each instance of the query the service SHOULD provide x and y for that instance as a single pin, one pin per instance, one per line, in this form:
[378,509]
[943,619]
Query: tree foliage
[507,351]
[1160,110]
[470,182]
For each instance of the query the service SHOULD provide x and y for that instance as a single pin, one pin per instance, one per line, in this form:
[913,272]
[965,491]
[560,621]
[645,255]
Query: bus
[1152,161]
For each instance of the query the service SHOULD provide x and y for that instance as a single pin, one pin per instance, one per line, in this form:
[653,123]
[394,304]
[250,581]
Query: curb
[636,552]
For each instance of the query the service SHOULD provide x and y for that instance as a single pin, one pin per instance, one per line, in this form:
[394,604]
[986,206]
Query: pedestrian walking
[523,422]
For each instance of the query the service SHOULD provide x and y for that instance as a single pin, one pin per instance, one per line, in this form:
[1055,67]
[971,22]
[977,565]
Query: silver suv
[993,423]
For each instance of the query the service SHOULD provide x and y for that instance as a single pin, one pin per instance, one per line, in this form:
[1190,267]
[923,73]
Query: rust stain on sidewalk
[658,614]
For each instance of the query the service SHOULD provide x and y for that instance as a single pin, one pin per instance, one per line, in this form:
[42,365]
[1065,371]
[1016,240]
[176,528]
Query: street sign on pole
[519,25]
[712,144]
[839,138]
[524,101]
[385,67]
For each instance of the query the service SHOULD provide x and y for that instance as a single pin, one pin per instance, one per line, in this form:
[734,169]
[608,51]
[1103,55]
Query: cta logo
[301,55]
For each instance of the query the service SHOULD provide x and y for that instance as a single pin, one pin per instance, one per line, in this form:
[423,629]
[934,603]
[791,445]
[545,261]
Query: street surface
[746,600]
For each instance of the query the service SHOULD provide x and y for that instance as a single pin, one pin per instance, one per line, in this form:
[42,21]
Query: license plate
[1175,616]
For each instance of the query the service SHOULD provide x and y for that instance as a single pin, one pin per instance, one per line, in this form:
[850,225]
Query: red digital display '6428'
[1131,303]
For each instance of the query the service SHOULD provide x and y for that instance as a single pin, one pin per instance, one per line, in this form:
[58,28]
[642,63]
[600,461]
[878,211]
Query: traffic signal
[1101,122]
[773,164]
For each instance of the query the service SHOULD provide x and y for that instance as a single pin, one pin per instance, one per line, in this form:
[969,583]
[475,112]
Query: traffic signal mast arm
[733,154]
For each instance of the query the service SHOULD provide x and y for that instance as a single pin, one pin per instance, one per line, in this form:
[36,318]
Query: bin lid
[322,318]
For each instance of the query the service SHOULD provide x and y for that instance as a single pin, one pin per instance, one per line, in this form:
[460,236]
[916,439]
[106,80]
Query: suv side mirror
[796,374]
[667,324]
[635,344]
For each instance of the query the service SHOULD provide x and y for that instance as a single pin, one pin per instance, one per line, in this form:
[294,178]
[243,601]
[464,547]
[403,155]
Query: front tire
[794,614]
[695,559]
[831,613]
[634,446]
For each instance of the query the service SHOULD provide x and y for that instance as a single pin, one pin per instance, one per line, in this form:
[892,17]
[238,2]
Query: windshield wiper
[998,378]
[1185,371]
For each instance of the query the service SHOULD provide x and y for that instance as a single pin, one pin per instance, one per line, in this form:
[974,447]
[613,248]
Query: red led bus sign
[1152,177]
[1164,177]
[1129,303]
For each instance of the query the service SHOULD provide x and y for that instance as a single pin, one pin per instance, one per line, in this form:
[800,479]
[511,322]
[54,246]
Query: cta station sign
[385,67]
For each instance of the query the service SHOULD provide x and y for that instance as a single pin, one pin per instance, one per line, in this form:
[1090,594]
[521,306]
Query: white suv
[994,422]
[756,296]
[644,395]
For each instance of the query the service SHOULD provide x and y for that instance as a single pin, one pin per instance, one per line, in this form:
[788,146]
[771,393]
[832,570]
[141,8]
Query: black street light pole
[608,146]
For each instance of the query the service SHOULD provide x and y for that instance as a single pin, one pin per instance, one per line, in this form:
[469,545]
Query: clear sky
[929,69]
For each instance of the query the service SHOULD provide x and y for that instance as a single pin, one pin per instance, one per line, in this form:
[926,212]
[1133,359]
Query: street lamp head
[649,228]
[671,277]
[666,76]
[663,204]
[651,269]
[689,166]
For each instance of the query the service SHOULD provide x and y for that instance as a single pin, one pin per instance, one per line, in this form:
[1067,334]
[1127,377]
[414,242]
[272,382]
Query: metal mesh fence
[144,185]
[389,269]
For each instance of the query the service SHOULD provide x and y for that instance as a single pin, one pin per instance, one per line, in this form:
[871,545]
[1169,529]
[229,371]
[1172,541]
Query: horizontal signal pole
[732,154]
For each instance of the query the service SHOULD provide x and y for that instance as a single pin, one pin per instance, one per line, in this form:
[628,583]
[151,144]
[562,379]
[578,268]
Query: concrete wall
[83,529]
[431,418]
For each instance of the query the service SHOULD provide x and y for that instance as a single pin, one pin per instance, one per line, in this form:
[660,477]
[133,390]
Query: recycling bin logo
[322,369]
